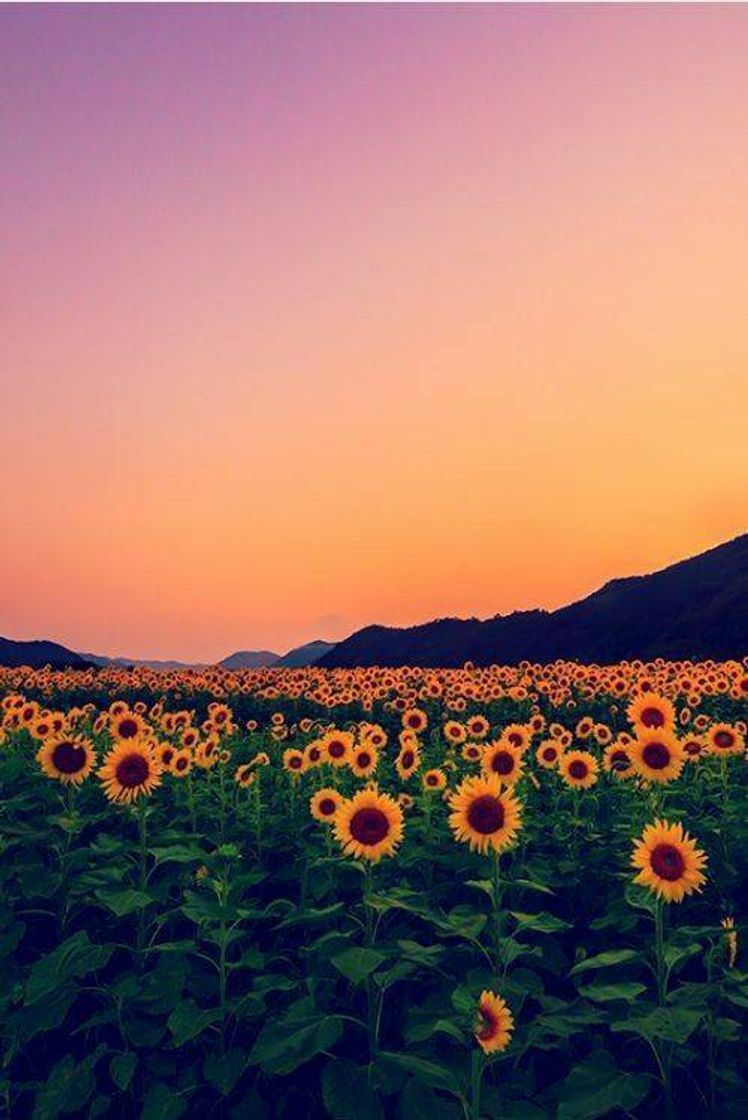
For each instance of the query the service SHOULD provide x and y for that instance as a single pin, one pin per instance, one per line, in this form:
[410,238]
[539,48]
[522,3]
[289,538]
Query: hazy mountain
[301,656]
[694,609]
[249,659]
[126,662]
[39,653]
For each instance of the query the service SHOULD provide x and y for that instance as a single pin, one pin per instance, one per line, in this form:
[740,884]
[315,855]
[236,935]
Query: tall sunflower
[649,712]
[324,804]
[578,769]
[504,760]
[369,826]
[68,759]
[657,756]
[669,862]
[495,1023]
[484,815]
[130,770]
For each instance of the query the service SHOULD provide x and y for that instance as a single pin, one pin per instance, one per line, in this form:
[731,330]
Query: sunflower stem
[142,877]
[496,898]
[477,1065]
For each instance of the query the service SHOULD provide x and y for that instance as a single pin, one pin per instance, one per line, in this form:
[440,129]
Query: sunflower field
[510,892]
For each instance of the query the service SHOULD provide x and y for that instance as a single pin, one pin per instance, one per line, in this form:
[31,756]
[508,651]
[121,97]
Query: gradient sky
[318,316]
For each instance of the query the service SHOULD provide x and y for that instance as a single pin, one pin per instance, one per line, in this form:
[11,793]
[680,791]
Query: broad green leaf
[122,1067]
[123,902]
[76,957]
[348,1094]
[604,960]
[540,923]
[597,1087]
[602,993]
[673,1024]
[285,1044]
[187,1021]
[358,963]
[223,1071]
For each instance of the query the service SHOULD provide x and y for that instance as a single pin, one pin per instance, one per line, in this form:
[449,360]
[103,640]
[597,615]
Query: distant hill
[249,659]
[694,609]
[302,656]
[39,653]
[126,662]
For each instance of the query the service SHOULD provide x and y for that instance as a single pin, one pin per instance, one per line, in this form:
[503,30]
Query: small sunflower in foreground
[617,760]
[338,746]
[129,771]
[244,775]
[657,756]
[294,761]
[434,779]
[369,826]
[578,769]
[181,763]
[495,1023]
[415,719]
[723,738]
[504,760]
[364,761]
[484,815]
[324,804]
[407,762]
[126,726]
[548,753]
[69,760]
[669,862]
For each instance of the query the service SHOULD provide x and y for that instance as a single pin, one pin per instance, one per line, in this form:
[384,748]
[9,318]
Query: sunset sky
[312,317]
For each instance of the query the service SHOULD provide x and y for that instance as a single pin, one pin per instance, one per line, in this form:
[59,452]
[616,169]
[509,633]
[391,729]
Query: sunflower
[657,756]
[693,746]
[165,754]
[244,775]
[415,719]
[495,1023]
[129,770]
[472,752]
[517,735]
[294,761]
[478,727]
[314,753]
[578,769]
[724,739]
[617,760]
[364,761]
[434,779]
[181,763]
[338,746]
[407,762]
[548,753]
[504,760]
[67,759]
[206,755]
[669,862]
[126,726]
[455,732]
[650,712]
[483,815]
[369,826]
[324,804]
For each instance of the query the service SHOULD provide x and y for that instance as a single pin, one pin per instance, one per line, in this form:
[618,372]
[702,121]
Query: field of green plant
[501,892]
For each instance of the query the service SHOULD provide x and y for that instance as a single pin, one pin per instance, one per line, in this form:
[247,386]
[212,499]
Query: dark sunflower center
[619,760]
[327,806]
[487,1024]
[723,739]
[336,750]
[656,756]
[364,759]
[652,717]
[667,862]
[167,755]
[408,759]
[515,739]
[549,754]
[128,729]
[415,722]
[295,763]
[693,746]
[502,763]
[180,763]
[486,815]
[578,769]
[314,754]
[369,826]
[69,758]
[132,771]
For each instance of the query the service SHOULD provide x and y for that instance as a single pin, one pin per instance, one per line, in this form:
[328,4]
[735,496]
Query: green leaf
[540,923]
[285,1044]
[161,1103]
[602,993]
[121,1068]
[358,963]
[223,1071]
[76,957]
[187,1021]
[422,1070]
[347,1093]
[596,1087]
[604,960]
[418,1101]
[674,1024]
[123,902]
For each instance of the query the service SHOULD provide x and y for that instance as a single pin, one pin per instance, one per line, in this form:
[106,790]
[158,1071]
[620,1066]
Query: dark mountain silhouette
[301,656]
[249,659]
[694,609]
[39,653]
[128,662]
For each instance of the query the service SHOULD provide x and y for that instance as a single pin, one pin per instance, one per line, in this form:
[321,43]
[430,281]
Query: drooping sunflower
[495,1023]
[669,862]
[324,804]
[504,760]
[208,752]
[693,746]
[68,759]
[130,770]
[649,712]
[578,769]
[369,826]
[244,775]
[548,753]
[657,756]
[723,738]
[484,815]
[434,779]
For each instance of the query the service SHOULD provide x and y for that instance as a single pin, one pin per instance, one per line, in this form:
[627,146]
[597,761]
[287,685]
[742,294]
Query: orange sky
[318,317]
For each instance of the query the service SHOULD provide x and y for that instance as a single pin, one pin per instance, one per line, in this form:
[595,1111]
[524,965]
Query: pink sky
[318,316]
